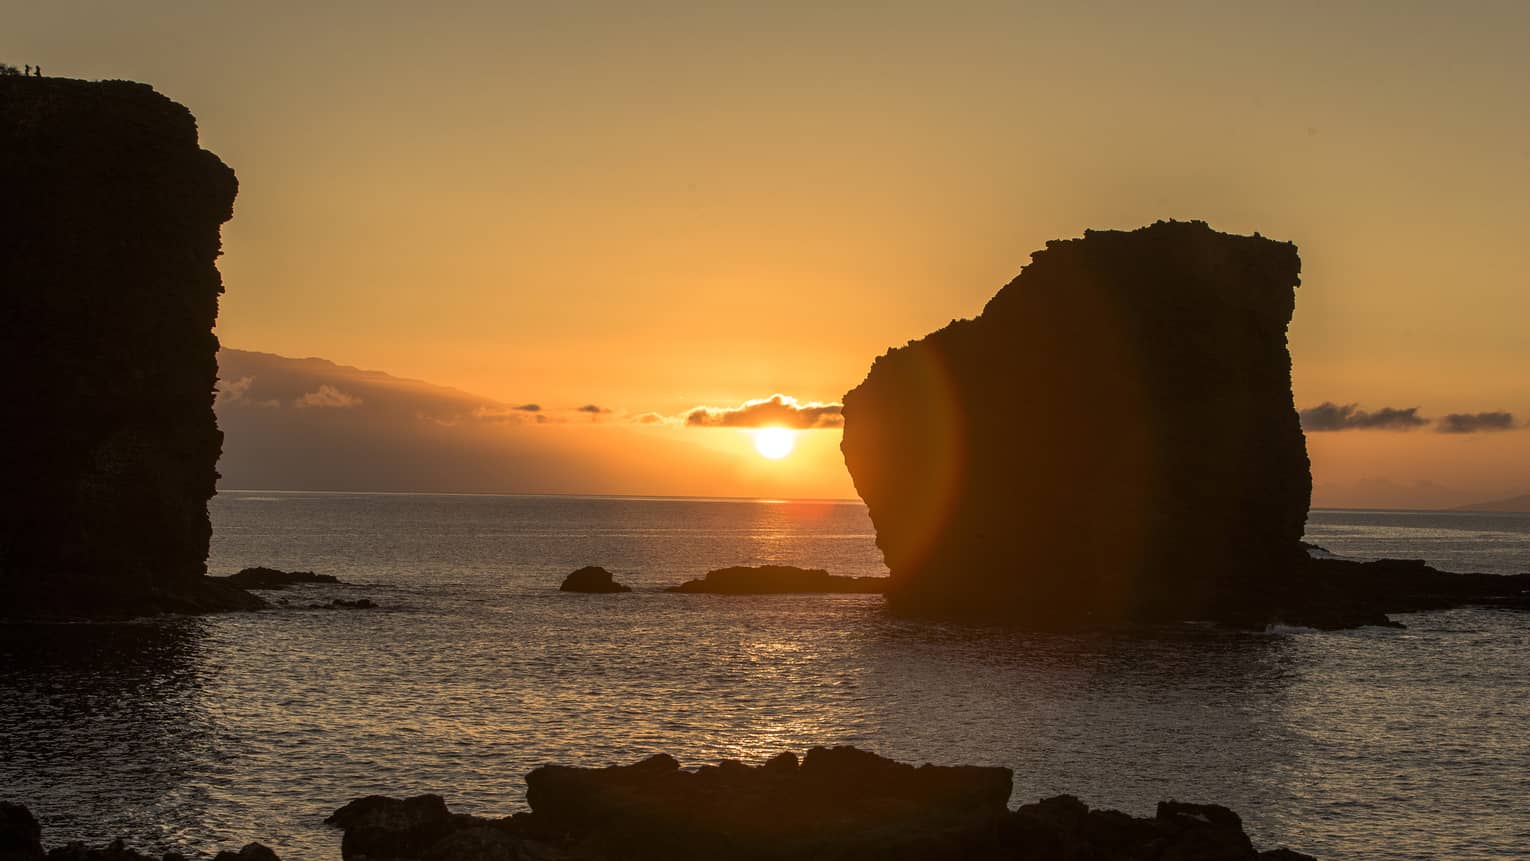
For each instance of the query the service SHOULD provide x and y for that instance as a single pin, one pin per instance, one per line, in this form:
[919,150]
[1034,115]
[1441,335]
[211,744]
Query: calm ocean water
[197,733]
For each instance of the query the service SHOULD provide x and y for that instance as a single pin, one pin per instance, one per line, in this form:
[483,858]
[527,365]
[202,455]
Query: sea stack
[1112,440]
[109,232]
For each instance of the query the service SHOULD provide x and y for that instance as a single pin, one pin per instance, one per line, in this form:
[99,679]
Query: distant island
[1519,503]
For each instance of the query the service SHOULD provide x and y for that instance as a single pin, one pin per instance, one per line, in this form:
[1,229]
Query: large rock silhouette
[1112,439]
[109,221]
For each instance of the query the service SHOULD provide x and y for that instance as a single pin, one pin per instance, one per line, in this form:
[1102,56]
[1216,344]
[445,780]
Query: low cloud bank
[1475,422]
[776,410]
[1329,416]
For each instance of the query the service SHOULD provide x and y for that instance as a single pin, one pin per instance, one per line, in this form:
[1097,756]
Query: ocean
[199,733]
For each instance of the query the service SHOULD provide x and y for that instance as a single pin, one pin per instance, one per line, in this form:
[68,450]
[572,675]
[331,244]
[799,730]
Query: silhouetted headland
[1514,504]
[1114,440]
[778,580]
[839,803]
[592,579]
[109,225]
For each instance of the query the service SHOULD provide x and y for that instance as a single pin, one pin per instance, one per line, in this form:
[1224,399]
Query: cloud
[231,390]
[1475,422]
[528,408]
[1329,416]
[651,419]
[327,396]
[238,392]
[591,408]
[778,409]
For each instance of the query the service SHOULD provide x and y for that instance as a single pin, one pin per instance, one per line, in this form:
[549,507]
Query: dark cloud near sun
[527,408]
[1329,416]
[593,410]
[780,410]
[1475,422]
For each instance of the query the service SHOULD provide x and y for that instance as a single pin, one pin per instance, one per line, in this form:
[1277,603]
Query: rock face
[779,580]
[592,579]
[109,225]
[1112,439]
[836,803]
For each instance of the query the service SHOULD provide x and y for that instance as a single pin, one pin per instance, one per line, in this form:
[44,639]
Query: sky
[653,207]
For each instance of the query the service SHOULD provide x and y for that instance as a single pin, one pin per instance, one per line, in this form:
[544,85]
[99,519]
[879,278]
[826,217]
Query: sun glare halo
[775,442]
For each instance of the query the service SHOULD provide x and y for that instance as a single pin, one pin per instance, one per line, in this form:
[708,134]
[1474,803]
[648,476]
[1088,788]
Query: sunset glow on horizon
[706,205]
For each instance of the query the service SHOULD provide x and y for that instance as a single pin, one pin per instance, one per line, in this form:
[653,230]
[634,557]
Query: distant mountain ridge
[1519,503]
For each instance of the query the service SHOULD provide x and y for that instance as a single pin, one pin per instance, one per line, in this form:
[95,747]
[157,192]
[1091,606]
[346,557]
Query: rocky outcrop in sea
[1114,440]
[109,233]
[592,579]
[778,580]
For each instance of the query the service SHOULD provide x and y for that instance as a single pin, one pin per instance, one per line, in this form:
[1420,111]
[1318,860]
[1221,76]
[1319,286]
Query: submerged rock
[1112,439]
[835,803]
[261,577]
[343,604]
[592,579]
[109,225]
[777,580]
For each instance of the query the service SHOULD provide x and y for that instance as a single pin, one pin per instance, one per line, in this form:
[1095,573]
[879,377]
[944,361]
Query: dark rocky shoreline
[835,803]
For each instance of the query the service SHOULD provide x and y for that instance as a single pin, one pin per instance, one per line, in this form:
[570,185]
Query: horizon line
[543,494]
[835,500]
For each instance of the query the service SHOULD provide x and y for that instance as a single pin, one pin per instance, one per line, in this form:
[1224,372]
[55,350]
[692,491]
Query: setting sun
[775,443]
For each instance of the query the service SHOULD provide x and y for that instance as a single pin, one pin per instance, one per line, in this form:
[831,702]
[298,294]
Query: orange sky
[655,208]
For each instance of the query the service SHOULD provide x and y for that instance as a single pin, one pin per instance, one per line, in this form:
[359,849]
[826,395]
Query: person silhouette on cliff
[37,72]
[28,72]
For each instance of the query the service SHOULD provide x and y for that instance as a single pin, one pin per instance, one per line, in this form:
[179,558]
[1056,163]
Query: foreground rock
[839,803]
[21,840]
[274,578]
[109,216]
[592,579]
[779,580]
[1112,439]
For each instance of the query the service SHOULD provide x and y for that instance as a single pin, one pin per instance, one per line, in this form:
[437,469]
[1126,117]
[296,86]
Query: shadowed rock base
[839,803]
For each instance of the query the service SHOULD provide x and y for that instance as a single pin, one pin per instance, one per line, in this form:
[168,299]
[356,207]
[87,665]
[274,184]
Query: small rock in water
[779,580]
[271,578]
[592,579]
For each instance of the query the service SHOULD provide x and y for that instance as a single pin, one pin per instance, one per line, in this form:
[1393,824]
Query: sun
[775,443]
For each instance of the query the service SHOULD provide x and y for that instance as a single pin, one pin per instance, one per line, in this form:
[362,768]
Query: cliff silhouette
[1112,439]
[109,233]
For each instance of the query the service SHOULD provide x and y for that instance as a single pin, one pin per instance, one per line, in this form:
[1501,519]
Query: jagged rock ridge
[835,803]
[109,232]
[1112,439]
